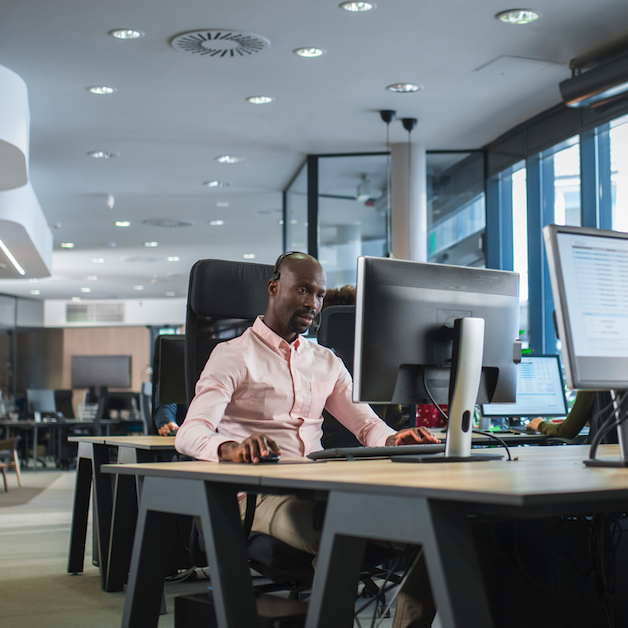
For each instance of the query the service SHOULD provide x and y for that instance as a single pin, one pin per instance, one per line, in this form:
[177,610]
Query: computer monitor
[589,276]
[420,324]
[40,401]
[540,390]
[89,371]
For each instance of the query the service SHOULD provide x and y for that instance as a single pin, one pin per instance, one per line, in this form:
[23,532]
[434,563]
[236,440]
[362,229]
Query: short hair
[340,296]
[280,259]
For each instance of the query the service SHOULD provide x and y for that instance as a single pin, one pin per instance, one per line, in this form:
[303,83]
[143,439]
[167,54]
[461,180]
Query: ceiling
[173,113]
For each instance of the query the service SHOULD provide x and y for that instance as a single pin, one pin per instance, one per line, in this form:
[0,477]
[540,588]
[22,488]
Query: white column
[409,202]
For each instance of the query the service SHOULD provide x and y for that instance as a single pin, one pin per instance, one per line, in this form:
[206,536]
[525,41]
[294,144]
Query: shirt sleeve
[165,413]
[359,418]
[579,415]
[197,437]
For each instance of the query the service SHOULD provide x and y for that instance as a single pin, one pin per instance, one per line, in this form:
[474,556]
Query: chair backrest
[337,331]
[63,401]
[224,298]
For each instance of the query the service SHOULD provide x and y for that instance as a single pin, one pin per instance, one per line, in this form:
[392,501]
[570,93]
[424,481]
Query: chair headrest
[224,289]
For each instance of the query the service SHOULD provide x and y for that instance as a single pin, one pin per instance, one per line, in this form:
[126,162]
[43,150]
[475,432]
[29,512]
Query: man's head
[295,294]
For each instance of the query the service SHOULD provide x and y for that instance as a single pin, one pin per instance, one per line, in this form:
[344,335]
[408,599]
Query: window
[619,173]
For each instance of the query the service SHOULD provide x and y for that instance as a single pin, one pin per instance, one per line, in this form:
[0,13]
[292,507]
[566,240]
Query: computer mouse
[270,457]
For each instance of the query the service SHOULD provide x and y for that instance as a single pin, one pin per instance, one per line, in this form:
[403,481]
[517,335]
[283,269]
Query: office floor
[35,590]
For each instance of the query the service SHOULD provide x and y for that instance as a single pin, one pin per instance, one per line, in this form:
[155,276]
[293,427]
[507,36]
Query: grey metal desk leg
[103,507]
[80,509]
[123,522]
[440,527]
[216,505]
[35,449]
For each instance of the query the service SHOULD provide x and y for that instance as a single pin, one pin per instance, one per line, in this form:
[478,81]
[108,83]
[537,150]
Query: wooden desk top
[137,442]
[540,476]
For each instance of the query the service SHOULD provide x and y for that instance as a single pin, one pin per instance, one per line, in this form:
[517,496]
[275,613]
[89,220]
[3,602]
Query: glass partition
[456,214]
[295,213]
[352,208]
[619,173]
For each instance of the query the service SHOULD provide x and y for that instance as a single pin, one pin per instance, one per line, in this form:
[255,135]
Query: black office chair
[63,401]
[224,299]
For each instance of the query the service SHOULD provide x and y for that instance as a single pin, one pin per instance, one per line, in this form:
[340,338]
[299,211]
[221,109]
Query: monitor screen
[540,390]
[112,371]
[589,275]
[41,400]
[404,314]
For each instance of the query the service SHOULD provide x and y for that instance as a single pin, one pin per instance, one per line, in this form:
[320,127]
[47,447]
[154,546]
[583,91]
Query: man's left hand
[412,436]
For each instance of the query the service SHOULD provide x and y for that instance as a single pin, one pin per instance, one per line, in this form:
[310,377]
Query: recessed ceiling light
[138,287]
[355,7]
[103,154]
[260,100]
[122,223]
[67,245]
[170,294]
[126,33]
[229,159]
[280,221]
[98,260]
[249,256]
[92,277]
[35,292]
[217,184]
[216,223]
[518,16]
[151,244]
[309,52]
[404,88]
[173,258]
[86,289]
[101,90]
[76,298]
[222,204]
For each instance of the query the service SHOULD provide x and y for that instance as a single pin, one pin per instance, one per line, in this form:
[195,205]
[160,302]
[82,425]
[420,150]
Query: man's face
[297,296]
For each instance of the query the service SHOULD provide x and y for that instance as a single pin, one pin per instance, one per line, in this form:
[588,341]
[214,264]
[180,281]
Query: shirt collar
[272,339]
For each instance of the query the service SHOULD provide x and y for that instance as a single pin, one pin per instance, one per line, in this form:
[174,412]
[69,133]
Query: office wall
[38,361]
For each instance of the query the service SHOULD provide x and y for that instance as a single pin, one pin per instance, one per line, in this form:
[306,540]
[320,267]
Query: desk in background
[93,452]
[58,429]
[423,504]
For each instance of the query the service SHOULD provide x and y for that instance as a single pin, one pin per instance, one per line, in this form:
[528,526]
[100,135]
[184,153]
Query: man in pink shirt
[265,392]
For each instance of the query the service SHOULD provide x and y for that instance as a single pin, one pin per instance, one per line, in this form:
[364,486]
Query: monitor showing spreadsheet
[540,390]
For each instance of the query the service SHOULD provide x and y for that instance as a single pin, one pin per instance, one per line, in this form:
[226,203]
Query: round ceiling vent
[220,43]
[170,223]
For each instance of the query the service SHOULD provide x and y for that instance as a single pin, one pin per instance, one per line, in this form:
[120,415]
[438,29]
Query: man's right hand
[167,429]
[249,450]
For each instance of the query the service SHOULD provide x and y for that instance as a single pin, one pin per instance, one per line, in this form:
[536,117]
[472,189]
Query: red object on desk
[429,416]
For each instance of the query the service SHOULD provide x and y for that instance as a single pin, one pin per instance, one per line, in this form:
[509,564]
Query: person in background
[168,418]
[588,404]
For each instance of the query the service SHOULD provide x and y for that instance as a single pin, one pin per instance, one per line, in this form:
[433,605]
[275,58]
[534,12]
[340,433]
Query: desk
[93,452]
[26,426]
[424,504]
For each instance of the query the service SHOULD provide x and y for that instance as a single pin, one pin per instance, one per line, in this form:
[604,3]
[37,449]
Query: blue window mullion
[498,233]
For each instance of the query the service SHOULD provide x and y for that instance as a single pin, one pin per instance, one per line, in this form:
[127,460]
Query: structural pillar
[408,202]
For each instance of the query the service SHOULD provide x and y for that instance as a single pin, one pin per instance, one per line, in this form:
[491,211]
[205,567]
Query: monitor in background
[589,275]
[40,401]
[119,401]
[417,323]
[540,390]
[91,371]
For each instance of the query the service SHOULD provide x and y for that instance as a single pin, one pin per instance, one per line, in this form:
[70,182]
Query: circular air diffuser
[220,43]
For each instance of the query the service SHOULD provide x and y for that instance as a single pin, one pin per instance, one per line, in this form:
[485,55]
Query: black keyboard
[349,453]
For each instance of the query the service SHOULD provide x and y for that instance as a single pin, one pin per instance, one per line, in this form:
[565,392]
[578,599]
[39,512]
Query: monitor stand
[464,384]
[622,438]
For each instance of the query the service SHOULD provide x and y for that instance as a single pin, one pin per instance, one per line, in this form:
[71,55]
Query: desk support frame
[440,527]
[217,506]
